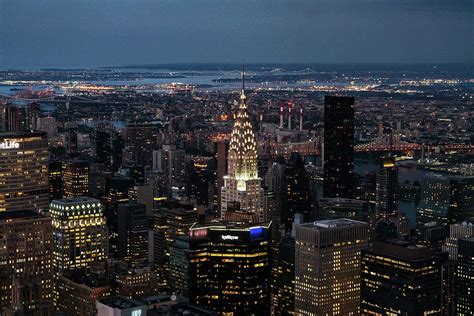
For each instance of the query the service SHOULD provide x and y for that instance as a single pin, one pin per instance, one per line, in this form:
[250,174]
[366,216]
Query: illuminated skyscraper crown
[243,145]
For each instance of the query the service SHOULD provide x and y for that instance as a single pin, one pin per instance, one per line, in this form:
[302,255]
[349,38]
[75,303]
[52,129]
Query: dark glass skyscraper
[298,197]
[230,268]
[338,146]
[386,189]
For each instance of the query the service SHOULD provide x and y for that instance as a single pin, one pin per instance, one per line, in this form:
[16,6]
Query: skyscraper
[75,175]
[26,270]
[23,171]
[242,184]
[465,277]
[446,199]
[80,234]
[327,266]
[338,146]
[298,198]
[133,234]
[230,268]
[402,279]
[386,189]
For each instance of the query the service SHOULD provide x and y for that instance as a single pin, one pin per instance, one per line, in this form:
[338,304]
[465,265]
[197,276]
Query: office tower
[133,234]
[71,140]
[78,293]
[116,192]
[120,306]
[298,197]
[80,234]
[170,161]
[222,148]
[32,111]
[55,180]
[12,118]
[23,171]
[47,124]
[230,267]
[26,271]
[117,151]
[179,266]
[386,189]
[338,146]
[465,277]
[327,266]
[446,199]
[283,279]
[103,147]
[140,140]
[456,231]
[402,279]
[75,178]
[135,283]
[199,177]
[242,184]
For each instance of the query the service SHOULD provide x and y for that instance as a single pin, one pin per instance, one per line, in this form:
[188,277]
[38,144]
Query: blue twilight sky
[89,33]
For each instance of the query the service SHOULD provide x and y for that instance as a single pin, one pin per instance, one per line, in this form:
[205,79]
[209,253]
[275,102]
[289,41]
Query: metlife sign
[9,144]
[229,237]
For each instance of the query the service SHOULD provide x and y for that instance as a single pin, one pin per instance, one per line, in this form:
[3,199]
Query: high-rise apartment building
[242,184]
[327,266]
[23,171]
[80,233]
[456,231]
[26,269]
[338,146]
[230,268]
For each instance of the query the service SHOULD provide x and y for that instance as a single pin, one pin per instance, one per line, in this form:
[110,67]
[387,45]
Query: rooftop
[21,134]
[333,223]
[120,302]
[19,215]
[75,200]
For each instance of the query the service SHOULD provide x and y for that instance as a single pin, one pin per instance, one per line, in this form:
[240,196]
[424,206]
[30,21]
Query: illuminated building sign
[137,312]
[257,232]
[9,144]
[229,237]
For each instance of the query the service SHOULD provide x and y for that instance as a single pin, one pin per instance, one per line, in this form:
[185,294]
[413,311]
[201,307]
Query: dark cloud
[36,33]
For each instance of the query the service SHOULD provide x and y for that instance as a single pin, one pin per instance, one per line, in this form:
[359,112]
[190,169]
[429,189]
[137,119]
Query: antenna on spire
[243,75]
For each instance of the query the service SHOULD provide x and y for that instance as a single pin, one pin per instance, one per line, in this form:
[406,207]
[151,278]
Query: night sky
[90,33]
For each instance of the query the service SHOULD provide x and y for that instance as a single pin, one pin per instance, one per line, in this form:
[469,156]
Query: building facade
[229,268]
[242,184]
[327,266]
[338,146]
[23,171]
[26,269]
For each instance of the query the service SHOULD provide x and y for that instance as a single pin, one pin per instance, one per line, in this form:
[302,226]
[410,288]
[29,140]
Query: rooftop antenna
[242,93]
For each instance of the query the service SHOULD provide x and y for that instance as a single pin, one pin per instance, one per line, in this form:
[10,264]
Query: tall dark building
[75,175]
[103,147]
[465,277]
[230,268]
[133,234]
[401,279]
[140,141]
[116,192]
[199,177]
[298,198]
[283,279]
[26,270]
[55,180]
[386,189]
[338,146]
